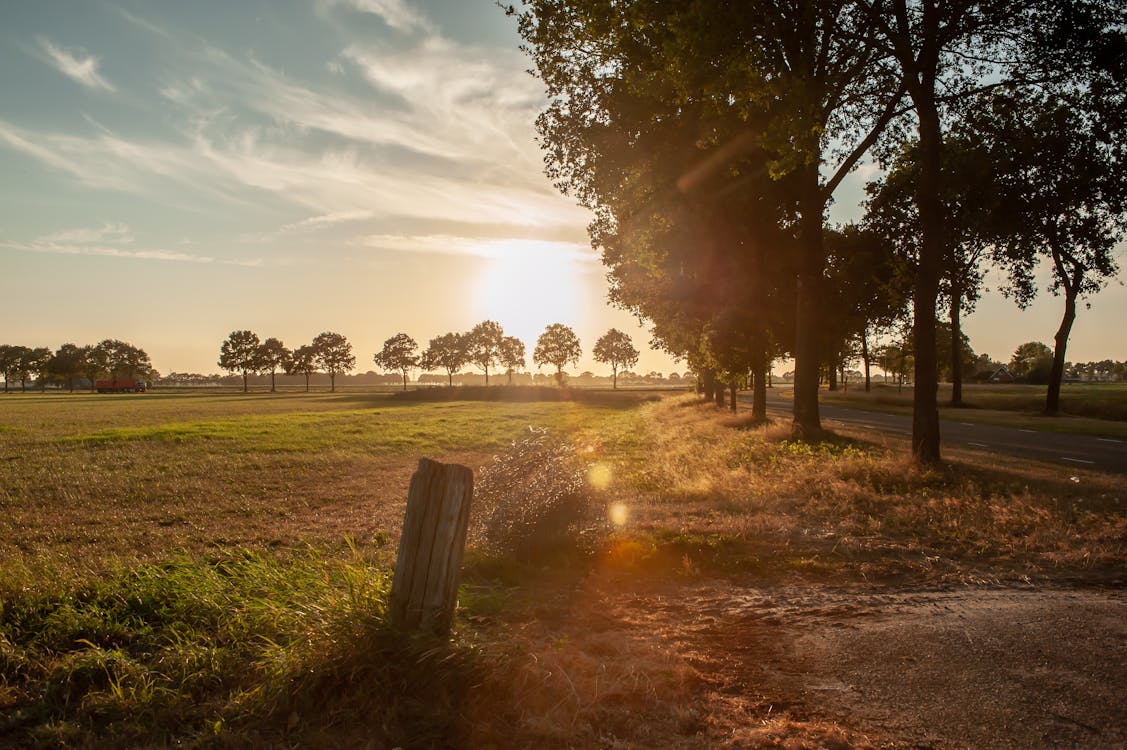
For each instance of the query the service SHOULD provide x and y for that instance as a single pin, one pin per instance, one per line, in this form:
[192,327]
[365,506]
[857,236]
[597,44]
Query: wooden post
[425,587]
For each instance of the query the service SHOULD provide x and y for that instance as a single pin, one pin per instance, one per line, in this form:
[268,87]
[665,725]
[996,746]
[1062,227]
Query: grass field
[1095,409]
[212,570]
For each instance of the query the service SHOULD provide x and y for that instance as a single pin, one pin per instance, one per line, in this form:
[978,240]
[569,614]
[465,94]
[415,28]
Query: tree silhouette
[239,353]
[483,345]
[272,354]
[447,351]
[399,354]
[334,355]
[66,363]
[512,355]
[557,346]
[9,362]
[95,363]
[303,361]
[615,348]
[125,360]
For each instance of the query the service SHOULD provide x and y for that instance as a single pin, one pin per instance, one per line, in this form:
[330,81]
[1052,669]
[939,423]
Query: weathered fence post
[425,587]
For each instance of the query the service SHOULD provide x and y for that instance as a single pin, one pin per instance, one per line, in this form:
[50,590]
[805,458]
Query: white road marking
[1076,460]
[1031,432]
[979,445]
[967,424]
[1108,440]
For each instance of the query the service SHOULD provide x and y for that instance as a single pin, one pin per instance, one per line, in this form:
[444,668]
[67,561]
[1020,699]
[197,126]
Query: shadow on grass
[527,393]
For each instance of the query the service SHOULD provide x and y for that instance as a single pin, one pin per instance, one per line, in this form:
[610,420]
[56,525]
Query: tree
[447,351]
[557,346]
[67,363]
[399,354]
[483,345]
[791,86]
[33,364]
[239,353]
[1032,362]
[272,354]
[333,355]
[95,363]
[303,361]
[1073,216]
[512,355]
[125,360]
[9,363]
[615,348]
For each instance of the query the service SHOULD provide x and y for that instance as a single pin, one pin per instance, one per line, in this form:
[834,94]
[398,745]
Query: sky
[175,171]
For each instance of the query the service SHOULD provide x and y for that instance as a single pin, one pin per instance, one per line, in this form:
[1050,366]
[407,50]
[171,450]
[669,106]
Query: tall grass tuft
[533,498]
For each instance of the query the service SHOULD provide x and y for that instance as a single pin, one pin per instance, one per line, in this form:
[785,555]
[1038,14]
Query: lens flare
[599,476]
[618,514]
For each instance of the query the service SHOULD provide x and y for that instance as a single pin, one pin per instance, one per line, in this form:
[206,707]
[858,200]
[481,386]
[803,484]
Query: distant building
[1002,375]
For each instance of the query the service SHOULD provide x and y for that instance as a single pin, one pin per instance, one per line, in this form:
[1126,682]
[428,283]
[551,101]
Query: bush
[534,498]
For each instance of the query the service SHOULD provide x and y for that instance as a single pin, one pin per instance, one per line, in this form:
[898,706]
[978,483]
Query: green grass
[212,570]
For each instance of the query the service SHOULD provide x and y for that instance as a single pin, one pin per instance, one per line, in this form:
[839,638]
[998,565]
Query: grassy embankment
[213,570]
[1094,409]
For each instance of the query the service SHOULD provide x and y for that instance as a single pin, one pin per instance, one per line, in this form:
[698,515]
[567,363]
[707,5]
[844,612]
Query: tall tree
[512,355]
[557,346]
[125,360]
[483,345]
[1062,187]
[34,364]
[95,363]
[399,354]
[333,355]
[272,355]
[66,364]
[447,351]
[799,77]
[9,363]
[615,348]
[239,353]
[303,361]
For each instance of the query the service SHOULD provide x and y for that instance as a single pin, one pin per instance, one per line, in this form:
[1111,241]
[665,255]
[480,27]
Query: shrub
[533,498]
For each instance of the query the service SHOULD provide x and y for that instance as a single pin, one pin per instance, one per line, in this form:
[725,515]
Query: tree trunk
[759,375]
[865,358]
[333,382]
[244,382]
[273,389]
[708,385]
[719,395]
[425,587]
[925,407]
[614,375]
[831,376]
[812,258]
[1060,341]
[405,381]
[486,375]
[733,387]
[956,346]
[307,382]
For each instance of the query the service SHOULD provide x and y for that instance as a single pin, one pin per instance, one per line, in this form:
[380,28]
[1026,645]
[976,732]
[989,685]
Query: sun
[527,284]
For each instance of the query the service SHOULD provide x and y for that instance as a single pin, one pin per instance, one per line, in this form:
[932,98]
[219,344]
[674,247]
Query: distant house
[1002,375]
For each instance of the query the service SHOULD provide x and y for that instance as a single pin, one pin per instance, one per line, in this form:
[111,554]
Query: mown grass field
[212,570]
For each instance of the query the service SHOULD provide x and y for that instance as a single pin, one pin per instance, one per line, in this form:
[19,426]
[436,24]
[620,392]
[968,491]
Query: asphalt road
[1068,449]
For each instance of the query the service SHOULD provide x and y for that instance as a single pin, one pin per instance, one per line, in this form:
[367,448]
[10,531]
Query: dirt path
[970,668]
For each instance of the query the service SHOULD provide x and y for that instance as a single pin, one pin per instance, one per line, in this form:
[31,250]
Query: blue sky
[174,171]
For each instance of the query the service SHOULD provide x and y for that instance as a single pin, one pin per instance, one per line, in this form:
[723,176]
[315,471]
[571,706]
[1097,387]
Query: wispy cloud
[75,64]
[493,248]
[108,232]
[107,241]
[395,13]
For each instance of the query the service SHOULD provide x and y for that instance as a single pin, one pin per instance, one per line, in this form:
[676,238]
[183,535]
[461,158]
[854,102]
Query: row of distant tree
[484,346]
[71,362]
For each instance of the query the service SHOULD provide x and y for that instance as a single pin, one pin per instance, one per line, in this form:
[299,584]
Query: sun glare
[528,284]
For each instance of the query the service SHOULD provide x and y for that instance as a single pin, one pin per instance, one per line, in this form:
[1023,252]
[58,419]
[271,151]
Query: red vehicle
[120,385]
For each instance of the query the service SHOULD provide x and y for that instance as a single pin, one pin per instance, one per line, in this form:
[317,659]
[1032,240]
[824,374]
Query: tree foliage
[448,351]
[615,348]
[272,356]
[240,353]
[399,354]
[512,355]
[333,354]
[557,346]
[483,345]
